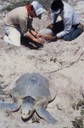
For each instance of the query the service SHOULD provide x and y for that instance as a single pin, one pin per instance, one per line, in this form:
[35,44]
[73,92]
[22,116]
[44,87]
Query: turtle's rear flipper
[9,106]
[45,115]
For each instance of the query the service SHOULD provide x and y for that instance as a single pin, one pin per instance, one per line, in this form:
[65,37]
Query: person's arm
[50,37]
[53,20]
[35,34]
[67,27]
[23,25]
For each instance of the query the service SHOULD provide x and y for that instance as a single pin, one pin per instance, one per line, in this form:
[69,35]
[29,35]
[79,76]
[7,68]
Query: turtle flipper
[41,111]
[9,106]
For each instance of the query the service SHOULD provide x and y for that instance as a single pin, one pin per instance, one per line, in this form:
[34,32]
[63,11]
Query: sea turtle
[30,93]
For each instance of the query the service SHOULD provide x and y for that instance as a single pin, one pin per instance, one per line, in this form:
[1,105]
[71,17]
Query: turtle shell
[31,84]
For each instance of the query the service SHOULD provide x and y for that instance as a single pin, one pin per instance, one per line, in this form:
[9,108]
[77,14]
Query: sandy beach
[61,62]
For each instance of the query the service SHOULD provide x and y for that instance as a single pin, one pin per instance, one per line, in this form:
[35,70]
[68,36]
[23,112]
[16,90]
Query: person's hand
[39,36]
[50,37]
[50,26]
[39,40]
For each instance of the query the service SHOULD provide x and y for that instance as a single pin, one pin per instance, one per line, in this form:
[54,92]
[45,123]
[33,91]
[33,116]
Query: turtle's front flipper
[9,106]
[41,111]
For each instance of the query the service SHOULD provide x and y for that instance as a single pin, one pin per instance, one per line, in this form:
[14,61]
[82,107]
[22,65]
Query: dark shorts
[75,31]
[29,43]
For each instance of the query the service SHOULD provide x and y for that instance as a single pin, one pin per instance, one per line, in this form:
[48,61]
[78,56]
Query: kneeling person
[67,28]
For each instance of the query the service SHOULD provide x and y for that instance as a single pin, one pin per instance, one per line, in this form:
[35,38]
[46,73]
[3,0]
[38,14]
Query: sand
[61,62]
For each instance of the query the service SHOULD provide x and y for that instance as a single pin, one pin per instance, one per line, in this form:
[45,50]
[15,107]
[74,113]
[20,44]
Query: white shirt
[69,18]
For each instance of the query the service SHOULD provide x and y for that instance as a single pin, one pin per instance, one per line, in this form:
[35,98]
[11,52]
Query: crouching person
[19,22]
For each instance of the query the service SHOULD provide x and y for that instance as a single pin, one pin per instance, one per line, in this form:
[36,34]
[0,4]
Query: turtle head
[26,113]
[27,108]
